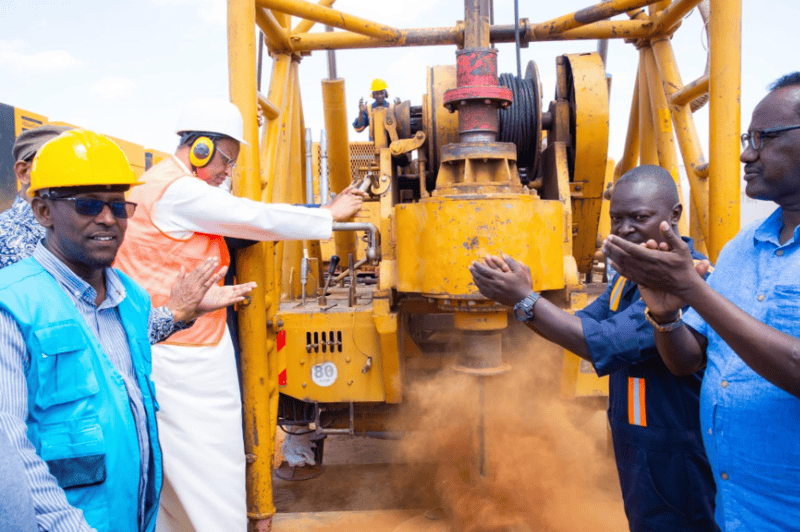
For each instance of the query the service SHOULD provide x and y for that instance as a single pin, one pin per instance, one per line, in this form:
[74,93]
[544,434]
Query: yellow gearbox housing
[439,237]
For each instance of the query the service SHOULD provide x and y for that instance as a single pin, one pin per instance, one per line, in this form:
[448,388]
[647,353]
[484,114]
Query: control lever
[304,274]
[321,300]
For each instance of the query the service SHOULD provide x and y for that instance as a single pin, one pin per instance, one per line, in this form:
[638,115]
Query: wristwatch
[663,327]
[523,310]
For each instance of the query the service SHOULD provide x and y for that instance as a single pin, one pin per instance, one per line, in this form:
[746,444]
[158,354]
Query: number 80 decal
[324,374]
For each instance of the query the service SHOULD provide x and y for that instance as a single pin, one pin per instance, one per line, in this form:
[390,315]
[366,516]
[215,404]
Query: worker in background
[76,400]
[182,219]
[664,474]
[19,230]
[380,95]
[743,327]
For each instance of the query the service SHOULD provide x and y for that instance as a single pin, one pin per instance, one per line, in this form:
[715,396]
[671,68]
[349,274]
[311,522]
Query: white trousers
[200,430]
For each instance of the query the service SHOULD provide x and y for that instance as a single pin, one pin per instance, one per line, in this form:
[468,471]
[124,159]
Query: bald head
[644,197]
[789,85]
[652,177]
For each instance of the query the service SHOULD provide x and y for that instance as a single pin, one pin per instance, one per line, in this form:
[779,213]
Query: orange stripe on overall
[637,412]
[616,293]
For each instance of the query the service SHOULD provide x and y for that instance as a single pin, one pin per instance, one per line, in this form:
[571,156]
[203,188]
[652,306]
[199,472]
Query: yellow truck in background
[15,120]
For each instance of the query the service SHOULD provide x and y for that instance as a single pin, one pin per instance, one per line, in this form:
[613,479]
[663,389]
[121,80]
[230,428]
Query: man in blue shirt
[743,327]
[664,474]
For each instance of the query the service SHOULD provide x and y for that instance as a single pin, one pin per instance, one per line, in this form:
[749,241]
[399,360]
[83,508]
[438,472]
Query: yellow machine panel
[438,241]
[326,353]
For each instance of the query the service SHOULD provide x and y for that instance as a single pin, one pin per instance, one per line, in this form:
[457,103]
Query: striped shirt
[52,509]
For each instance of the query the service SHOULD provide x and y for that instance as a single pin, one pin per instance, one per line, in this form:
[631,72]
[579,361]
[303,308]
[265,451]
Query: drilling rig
[481,165]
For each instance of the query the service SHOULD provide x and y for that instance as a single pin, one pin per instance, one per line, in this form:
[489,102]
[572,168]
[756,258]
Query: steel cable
[517,122]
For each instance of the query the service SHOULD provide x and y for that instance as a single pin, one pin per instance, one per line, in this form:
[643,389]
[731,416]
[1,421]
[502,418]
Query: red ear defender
[202,151]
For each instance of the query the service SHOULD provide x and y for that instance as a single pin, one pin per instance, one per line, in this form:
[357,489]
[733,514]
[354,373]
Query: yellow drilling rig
[482,164]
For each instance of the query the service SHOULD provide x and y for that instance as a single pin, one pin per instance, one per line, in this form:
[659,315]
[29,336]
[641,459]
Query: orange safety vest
[154,258]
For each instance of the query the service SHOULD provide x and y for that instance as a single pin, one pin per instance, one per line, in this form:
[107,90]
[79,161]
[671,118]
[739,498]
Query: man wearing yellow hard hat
[380,95]
[76,399]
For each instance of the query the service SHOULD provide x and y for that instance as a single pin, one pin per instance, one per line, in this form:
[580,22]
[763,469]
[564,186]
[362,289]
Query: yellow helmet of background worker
[378,85]
[80,158]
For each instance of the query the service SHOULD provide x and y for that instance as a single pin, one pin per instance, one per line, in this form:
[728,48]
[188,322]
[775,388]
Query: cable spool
[521,122]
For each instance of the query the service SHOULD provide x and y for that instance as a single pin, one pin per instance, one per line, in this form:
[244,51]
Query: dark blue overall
[666,481]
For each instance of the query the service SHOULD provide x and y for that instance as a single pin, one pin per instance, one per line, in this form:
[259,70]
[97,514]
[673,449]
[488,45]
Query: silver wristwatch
[523,310]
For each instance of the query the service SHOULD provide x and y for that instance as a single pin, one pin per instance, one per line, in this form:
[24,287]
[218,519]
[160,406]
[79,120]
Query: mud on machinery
[482,164]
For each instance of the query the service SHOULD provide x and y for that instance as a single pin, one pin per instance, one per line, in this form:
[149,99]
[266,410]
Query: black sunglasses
[93,207]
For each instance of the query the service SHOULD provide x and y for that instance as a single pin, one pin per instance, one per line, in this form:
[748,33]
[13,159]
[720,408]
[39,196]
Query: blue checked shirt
[19,235]
[751,427]
[52,509]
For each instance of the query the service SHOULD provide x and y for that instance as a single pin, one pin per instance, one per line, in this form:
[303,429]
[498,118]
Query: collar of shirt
[770,230]
[181,165]
[72,284]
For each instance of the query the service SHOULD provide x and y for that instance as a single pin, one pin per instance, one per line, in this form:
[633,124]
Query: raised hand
[219,297]
[362,107]
[665,272]
[189,289]
[502,279]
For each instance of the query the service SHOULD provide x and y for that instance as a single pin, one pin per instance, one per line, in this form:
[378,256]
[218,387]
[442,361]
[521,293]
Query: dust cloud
[548,466]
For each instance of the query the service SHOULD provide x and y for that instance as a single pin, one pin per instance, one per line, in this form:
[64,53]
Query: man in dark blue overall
[666,481]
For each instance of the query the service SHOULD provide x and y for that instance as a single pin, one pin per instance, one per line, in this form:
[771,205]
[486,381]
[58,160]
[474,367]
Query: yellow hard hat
[378,85]
[80,158]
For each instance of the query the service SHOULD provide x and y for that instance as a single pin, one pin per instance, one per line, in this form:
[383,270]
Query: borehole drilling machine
[479,166]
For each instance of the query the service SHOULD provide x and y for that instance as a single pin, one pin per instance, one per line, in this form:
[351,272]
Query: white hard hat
[211,115]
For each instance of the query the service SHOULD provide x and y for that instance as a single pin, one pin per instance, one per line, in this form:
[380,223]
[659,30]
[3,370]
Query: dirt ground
[364,489]
[547,466]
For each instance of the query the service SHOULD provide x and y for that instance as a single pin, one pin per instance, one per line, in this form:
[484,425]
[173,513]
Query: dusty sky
[124,68]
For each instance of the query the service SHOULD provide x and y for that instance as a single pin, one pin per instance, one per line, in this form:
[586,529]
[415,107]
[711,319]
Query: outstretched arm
[506,281]
[769,352]
[190,205]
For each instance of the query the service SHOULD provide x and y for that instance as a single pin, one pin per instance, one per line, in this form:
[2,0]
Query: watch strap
[663,327]
[525,307]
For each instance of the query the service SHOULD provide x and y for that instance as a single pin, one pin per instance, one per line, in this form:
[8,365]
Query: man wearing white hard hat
[182,219]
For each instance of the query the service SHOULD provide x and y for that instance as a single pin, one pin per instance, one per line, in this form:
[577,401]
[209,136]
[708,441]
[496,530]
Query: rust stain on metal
[255,431]
[479,66]
[591,14]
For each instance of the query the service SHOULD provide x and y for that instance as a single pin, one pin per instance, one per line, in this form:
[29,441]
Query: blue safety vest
[79,417]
